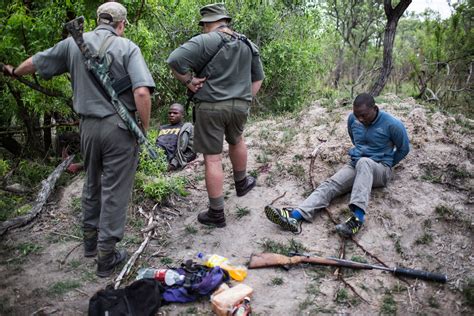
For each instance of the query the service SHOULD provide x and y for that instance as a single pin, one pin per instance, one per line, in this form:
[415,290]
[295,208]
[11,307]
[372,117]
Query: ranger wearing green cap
[224,71]
[109,149]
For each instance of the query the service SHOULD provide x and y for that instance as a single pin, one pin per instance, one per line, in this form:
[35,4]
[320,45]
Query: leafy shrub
[4,167]
[290,73]
[149,166]
[151,177]
[8,204]
[159,188]
[31,173]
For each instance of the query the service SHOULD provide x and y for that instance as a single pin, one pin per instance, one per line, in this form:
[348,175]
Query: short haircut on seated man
[178,107]
[364,99]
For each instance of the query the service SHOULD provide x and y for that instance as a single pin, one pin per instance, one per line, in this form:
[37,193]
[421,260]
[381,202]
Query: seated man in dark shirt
[176,139]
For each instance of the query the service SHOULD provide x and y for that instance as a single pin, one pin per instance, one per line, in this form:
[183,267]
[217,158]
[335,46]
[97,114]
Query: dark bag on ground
[142,297]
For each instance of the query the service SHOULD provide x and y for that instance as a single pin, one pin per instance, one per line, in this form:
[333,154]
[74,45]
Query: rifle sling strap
[221,44]
[119,85]
[105,45]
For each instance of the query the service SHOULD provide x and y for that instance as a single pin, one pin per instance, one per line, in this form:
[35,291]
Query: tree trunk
[393,15]
[34,137]
[338,70]
[47,132]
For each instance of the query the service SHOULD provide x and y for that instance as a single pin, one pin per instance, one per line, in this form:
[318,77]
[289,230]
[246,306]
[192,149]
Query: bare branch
[46,189]
[434,97]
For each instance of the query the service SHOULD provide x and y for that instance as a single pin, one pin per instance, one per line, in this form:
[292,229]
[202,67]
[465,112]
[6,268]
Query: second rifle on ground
[265,260]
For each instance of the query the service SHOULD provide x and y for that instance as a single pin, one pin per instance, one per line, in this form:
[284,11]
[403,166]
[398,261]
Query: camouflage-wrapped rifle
[99,67]
[265,260]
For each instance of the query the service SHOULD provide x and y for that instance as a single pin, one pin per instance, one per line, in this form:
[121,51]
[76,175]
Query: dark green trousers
[110,154]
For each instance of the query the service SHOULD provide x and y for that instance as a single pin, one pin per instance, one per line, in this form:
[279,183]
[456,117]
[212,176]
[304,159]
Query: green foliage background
[298,41]
[310,50]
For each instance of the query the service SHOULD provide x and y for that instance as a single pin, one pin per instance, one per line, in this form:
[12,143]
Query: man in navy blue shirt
[380,142]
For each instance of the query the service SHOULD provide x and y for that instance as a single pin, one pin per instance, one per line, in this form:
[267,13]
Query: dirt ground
[423,219]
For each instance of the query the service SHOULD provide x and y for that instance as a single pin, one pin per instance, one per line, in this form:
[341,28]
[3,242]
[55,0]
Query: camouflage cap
[111,12]
[213,12]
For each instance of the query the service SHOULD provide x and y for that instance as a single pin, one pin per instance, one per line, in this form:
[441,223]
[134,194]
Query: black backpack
[141,298]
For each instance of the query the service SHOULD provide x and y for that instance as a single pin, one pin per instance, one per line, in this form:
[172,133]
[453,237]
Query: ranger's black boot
[108,259]
[212,218]
[90,242]
[245,185]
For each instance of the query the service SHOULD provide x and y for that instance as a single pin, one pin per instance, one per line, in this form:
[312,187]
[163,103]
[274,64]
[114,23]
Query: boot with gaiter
[90,242]
[212,218]
[245,185]
[109,258]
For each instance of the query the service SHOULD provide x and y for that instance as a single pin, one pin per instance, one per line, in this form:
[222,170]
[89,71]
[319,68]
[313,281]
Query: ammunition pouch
[123,84]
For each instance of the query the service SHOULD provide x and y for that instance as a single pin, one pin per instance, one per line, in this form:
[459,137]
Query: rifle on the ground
[265,260]
[99,68]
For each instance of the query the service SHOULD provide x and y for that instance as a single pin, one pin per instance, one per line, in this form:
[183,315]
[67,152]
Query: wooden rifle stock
[265,260]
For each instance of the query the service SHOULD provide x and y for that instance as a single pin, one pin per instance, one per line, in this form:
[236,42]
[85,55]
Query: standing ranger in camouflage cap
[109,149]
[223,70]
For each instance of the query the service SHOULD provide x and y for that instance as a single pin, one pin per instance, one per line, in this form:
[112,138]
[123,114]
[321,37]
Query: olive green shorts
[214,120]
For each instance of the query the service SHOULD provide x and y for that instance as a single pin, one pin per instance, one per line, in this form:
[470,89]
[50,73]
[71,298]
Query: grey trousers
[367,174]
[110,154]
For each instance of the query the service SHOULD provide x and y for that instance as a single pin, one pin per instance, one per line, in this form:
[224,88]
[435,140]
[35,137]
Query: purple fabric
[205,286]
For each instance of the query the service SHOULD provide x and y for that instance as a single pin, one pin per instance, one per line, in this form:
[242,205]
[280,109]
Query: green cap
[111,12]
[213,12]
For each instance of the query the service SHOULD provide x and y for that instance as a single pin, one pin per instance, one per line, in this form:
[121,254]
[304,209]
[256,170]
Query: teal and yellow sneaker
[283,219]
[350,227]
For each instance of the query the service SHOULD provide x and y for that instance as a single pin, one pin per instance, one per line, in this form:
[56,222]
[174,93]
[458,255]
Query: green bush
[151,178]
[4,167]
[149,166]
[290,55]
[159,188]
[9,203]
[31,173]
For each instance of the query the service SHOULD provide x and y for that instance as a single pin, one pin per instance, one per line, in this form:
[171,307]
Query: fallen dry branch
[128,266]
[355,241]
[340,276]
[169,212]
[17,189]
[150,227]
[342,255]
[352,288]
[66,235]
[277,198]
[21,130]
[367,252]
[362,247]
[68,254]
[46,189]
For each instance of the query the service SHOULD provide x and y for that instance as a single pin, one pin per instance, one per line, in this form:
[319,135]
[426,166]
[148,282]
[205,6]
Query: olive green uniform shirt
[109,149]
[231,69]
[88,99]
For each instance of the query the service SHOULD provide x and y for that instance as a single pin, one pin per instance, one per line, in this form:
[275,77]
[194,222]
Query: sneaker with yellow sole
[282,218]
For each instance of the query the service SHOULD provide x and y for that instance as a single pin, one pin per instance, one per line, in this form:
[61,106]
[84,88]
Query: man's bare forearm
[191,82]
[25,68]
[256,85]
[143,102]
[182,78]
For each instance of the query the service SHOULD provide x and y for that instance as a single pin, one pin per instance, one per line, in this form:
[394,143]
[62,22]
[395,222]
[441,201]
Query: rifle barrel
[399,271]
[263,260]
